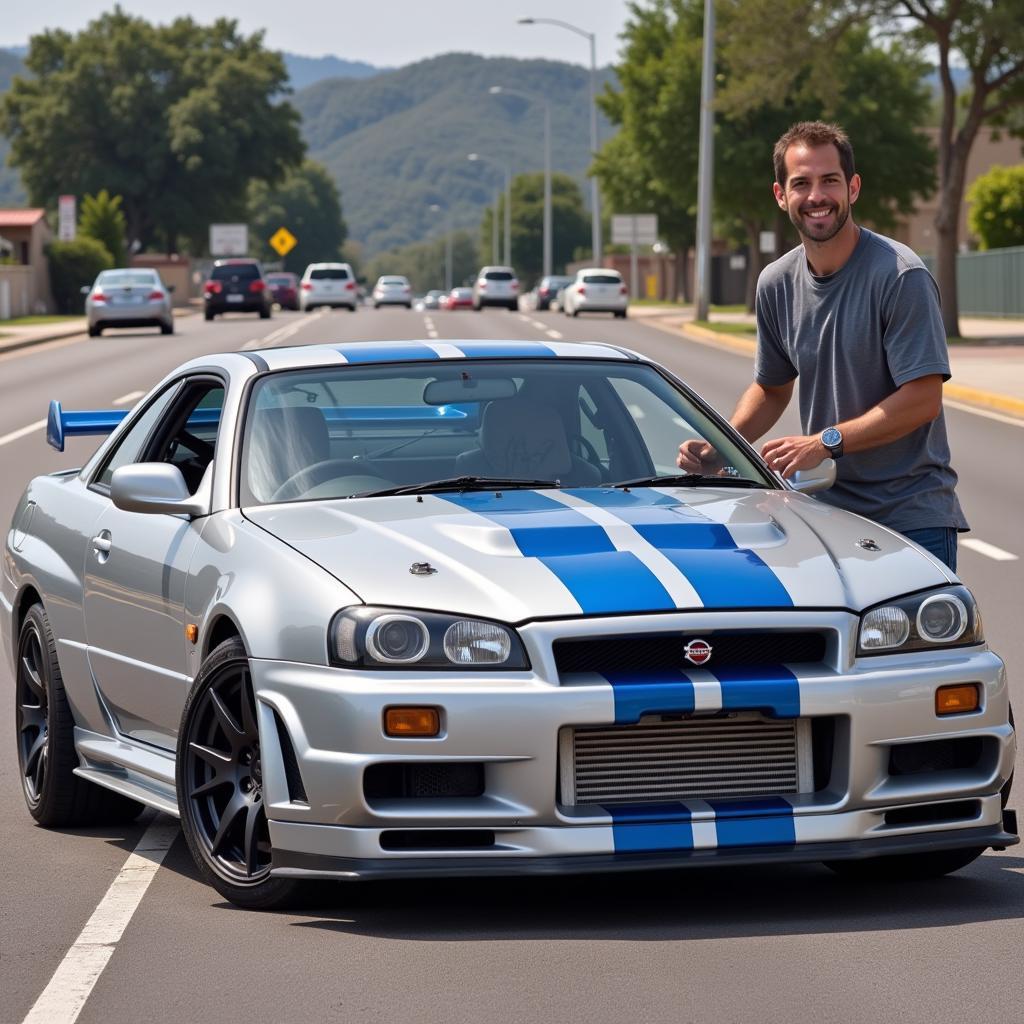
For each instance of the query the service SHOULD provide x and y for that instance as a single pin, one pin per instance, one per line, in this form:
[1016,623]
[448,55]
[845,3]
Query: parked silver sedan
[128,297]
[423,608]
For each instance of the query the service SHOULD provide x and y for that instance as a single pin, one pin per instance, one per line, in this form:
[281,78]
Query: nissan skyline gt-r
[448,608]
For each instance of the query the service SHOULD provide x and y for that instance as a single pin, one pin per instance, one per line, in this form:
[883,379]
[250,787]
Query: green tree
[986,37]
[997,207]
[175,118]
[307,203]
[72,266]
[103,220]
[570,224]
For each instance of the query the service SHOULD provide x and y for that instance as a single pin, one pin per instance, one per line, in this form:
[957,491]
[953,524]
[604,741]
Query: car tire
[513,307]
[907,867]
[56,797]
[167,328]
[207,315]
[219,784]
[95,332]
[351,309]
[264,314]
[575,313]
[620,314]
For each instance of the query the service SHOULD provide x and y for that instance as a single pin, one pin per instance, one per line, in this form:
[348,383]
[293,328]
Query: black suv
[237,286]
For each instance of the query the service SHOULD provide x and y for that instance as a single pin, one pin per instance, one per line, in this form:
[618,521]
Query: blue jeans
[939,540]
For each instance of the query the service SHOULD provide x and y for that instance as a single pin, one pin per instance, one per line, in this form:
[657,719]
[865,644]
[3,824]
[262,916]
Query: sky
[387,34]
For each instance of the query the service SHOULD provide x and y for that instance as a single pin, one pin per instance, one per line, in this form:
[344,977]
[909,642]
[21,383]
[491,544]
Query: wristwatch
[832,439]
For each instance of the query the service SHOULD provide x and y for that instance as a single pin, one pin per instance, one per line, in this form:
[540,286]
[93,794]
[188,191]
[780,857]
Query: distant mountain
[398,143]
[305,71]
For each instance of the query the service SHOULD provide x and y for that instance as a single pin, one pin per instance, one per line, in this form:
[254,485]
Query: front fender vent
[296,790]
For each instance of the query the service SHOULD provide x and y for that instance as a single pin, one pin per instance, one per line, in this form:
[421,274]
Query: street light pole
[595,192]
[548,244]
[435,208]
[706,165]
[475,157]
[508,215]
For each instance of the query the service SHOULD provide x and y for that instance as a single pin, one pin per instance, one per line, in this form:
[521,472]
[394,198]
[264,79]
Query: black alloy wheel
[32,714]
[220,784]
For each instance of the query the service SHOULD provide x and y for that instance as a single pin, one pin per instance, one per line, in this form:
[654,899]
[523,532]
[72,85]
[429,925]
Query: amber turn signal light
[957,700]
[411,722]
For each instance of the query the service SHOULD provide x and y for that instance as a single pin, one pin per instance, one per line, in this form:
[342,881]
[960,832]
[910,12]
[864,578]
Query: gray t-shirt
[853,338]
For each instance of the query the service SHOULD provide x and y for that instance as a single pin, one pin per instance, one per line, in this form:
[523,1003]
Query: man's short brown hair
[813,133]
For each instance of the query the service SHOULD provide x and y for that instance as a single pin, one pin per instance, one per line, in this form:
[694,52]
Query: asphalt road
[755,944]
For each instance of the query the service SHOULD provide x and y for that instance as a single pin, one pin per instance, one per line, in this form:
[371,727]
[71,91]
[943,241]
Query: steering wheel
[310,476]
[587,451]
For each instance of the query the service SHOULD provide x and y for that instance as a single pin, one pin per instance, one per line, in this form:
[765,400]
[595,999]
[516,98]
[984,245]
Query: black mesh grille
[652,651]
[423,780]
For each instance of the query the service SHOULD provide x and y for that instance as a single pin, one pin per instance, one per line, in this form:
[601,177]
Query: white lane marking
[132,396]
[1014,421]
[989,550]
[431,334]
[63,998]
[554,334]
[251,343]
[524,318]
[22,432]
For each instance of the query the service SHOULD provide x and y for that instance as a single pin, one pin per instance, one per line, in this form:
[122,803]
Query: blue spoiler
[61,424]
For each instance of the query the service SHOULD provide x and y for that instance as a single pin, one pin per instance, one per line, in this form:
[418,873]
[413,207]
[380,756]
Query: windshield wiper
[688,480]
[460,483]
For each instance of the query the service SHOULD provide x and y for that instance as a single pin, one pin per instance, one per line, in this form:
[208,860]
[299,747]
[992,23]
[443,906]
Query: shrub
[103,220]
[72,266]
[997,207]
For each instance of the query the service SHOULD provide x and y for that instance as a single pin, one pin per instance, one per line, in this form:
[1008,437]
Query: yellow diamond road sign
[283,241]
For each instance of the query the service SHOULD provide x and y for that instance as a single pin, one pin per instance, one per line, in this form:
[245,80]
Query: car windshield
[393,282]
[329,274]
[126,278]
[340,431]
[602,279]
[499,275]
[280,279]
[227,271]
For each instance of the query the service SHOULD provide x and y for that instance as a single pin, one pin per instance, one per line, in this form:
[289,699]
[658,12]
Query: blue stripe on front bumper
[770,688]
[766,821]
[639,827]
[641,693]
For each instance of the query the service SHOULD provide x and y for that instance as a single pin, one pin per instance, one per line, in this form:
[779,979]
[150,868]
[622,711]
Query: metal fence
[989,283]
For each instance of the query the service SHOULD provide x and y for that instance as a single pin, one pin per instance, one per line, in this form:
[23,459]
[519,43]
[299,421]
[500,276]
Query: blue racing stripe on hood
[396,352]
[641,693]
[602,579]
[639,827]
[724,575]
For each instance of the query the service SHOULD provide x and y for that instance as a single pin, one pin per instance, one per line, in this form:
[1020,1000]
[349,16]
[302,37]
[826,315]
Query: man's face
[817,196]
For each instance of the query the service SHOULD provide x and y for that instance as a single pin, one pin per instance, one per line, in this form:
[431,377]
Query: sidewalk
[12,338]
[987,366]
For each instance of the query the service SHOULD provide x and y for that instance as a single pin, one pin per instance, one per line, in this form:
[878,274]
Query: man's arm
[757,411]
[911,406]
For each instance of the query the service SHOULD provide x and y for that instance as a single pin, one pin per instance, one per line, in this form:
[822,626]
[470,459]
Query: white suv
[328,284]
[595,290]
[496,286]
[392,291]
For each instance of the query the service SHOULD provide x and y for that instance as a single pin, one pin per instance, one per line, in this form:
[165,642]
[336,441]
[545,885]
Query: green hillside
[397,143]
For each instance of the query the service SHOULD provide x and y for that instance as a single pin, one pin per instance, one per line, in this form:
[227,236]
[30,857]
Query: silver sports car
[431,608]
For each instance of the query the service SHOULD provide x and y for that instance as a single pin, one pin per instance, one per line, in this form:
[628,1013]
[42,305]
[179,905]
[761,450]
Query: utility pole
[706,164]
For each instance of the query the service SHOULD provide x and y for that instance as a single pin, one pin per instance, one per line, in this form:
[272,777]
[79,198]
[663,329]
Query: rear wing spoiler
[61,424]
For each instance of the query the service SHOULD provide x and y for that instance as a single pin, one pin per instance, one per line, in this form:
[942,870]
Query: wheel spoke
[232,729]
[251,842]
[218,759]
[32,717]
[249,708]
[35,754]
[31,676]
[235,807]
[209,787]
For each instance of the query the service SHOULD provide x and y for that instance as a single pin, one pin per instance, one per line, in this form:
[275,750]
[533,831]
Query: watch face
[831,437]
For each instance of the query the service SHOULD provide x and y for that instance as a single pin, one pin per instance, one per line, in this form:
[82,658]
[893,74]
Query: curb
[58,334]
[957,392]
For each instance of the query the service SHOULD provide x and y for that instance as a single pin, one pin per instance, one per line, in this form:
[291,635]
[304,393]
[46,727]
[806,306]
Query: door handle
[101,542]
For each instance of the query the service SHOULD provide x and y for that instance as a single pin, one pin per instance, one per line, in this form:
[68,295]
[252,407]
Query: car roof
[380,352]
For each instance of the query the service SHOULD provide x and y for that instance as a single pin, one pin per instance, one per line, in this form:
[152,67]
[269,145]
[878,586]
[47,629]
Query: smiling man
[855,317]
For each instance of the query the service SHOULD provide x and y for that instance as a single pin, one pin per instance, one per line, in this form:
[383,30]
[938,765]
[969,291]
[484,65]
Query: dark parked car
[237,286]
[285,289]
[548,290]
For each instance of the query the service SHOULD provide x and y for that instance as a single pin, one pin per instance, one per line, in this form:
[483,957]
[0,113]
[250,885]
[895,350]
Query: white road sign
[634,228]
[229,240]
[66,218]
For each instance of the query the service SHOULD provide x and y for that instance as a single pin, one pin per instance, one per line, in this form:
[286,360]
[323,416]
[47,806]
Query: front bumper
[510,723]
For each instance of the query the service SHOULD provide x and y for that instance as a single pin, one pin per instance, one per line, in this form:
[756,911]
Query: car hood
[521,555]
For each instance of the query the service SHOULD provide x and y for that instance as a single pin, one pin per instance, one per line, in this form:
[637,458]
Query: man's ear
[854,188]
[780,195]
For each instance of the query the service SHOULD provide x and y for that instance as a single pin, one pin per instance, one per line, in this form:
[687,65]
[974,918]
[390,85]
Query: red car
[459,298]
[285,289]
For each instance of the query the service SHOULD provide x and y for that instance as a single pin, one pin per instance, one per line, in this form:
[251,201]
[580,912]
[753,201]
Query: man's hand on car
[785,455]
[697,456]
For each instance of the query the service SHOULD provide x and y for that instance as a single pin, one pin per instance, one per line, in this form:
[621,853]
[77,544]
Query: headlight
[382,638]
[937,618]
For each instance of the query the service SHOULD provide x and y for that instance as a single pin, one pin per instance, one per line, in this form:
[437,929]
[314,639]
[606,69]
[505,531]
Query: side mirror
[807,481]
[85,289]
[159,488]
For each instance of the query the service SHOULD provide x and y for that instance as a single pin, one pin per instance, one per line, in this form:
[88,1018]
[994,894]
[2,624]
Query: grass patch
[736,308]
[32,321]
[742,330]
